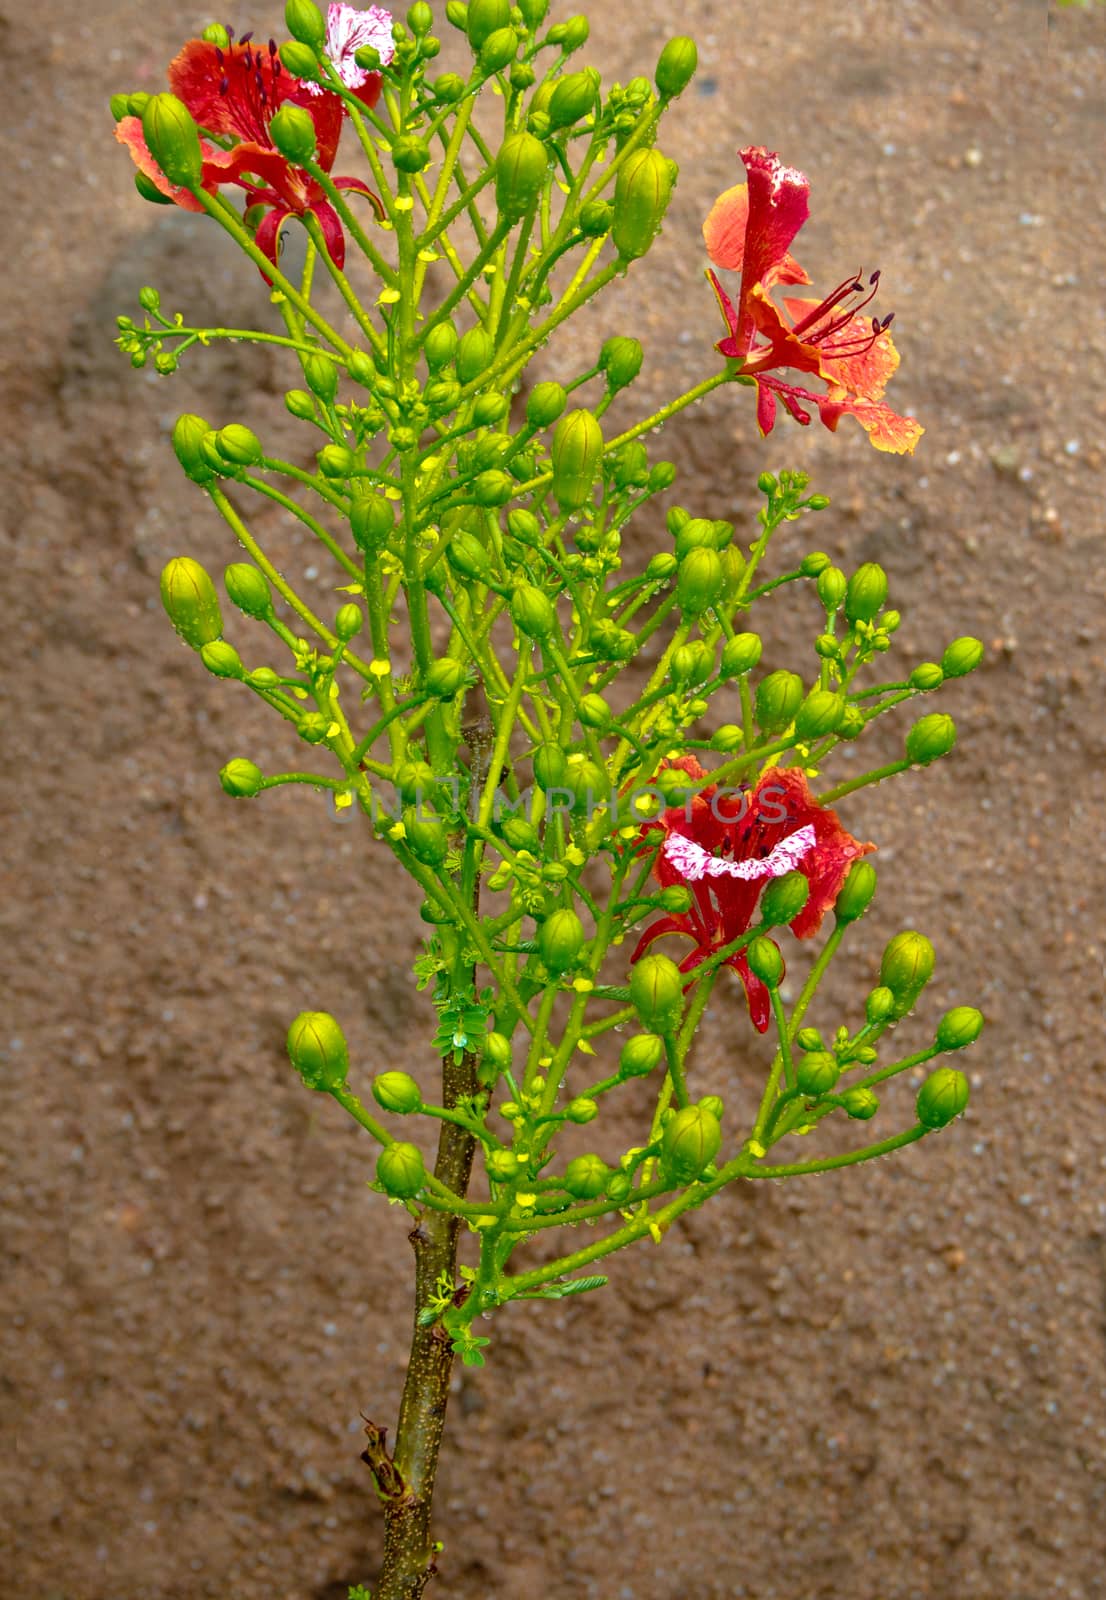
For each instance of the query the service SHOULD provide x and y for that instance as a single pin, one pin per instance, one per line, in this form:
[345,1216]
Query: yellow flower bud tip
[380,668]
[756,1149]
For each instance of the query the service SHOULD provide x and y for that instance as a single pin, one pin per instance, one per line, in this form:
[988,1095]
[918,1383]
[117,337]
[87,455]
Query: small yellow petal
[387,297]
[380,668]
[334,730]
[342,802]
[583,985]
[755,1148]
[405,202]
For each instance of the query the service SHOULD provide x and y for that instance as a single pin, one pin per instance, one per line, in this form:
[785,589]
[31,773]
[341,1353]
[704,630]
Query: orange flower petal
[865,374]
[129,133]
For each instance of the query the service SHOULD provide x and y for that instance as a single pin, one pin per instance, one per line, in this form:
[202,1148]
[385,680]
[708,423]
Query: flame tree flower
[749,230]
[349,30]
[233,94]
[726,844]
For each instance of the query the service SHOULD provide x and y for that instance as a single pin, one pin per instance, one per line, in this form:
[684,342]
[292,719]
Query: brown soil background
[887,1383]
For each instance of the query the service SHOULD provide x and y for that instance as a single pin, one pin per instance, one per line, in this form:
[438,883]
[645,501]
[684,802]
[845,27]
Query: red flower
[235,93]
[726,844]
[750,229]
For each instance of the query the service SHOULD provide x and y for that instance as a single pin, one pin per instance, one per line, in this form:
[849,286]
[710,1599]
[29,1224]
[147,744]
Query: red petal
[759,1000]
[766,409]
[332,231]
[864,375]
[886,429]
[357,186]
[728,310]
[197,75]
[724,233]
[778,207]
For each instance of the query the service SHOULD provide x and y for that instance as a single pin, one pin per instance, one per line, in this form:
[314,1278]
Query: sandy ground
[887,1384]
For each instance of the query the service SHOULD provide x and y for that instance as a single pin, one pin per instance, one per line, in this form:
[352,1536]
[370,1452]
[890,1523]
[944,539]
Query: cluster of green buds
[518,709]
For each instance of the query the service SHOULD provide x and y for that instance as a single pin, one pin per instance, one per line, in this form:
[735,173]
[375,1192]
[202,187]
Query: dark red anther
[276,70]
[249,58]
[218,55]
[272,47]
[887,321]
[246,37]
[224,85]
[230,35]
[875,276]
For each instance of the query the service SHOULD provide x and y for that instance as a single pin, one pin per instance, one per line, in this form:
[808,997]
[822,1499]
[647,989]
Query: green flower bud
[572,98]
[416,783]
[173,140]
[714,1104]
[657,992]
[560,941]
[676,899]
[961,657]
[595,713]
[247,589]
[808,1039]
[321,376]
[783,899]
[474,354]
[817,1073]
[241,779]
[484,17]
[696,533]
[618,1186]
[571,34]
[532,612]
[305,22]
[814,564]
[582,1110]
[420,19]
[889,621]
[190,601]
[865,593]
[906,968]
[778,697]
[880,1005]
[410,153]
[400,1171]
[832,587]
[444,678]
[440,346]
[426,837]
[317,1049]
[293,132]
[550,766]
[349,621]
[690,1143]
[741,654]
[336,461]
[510,1111]
[586,1177]
[468,556]
[300,404]
[640,1055]
[119,105]
[372,522]
[642,191]
[765,962]
[958,1028]
[662,476]
[397,1091]
[299,60]
[861,1104]
[497,1050]
[768,483]
[534,13]
[238,445]
[222,660]
[820,714]
[631,466]
[856,892]
[852,724]
[189,432]
[595,219]
[501,1165]
[927,676]
[942,1097]
[493,488]
[312,725]
[149,190]
[661,566]
[576,454]
[676,66]
[930,738]
[700,581]
[450,87]
[498,51]
[728,738]
[692,663]
[490,409]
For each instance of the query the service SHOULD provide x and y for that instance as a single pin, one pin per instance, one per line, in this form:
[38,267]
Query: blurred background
[889,1382]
